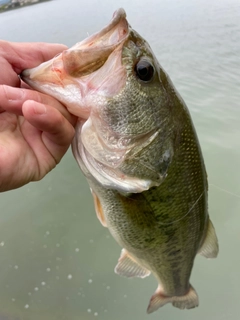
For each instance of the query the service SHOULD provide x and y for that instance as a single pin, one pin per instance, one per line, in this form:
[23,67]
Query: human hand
[35,129]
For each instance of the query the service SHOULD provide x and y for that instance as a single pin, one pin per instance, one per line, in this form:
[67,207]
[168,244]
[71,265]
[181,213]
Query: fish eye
[144,70]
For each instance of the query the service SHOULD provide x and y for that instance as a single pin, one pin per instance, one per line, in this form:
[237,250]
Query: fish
[137,146]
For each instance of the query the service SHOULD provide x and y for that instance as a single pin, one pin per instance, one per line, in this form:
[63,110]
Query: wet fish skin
[163,228]
[139,151]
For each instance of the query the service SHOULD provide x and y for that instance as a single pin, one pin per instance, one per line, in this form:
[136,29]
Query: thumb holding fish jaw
[35,133]
[35,129]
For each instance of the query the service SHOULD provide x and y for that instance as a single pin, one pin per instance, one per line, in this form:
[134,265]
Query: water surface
[56,259]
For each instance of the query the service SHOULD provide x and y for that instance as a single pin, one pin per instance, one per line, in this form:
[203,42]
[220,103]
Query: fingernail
[13,93]
[39,108]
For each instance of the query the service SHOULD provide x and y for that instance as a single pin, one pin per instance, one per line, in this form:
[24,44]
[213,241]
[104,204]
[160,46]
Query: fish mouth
[82,59]
[95,50]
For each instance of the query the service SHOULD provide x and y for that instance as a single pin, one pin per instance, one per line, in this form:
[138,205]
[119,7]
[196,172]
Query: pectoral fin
[209,248]
[99,210]
[128,267]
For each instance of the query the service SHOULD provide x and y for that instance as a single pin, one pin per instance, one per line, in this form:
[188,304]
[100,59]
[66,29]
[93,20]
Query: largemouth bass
[136,144]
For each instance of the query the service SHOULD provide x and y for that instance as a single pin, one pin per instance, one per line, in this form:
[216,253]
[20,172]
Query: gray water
[56,260]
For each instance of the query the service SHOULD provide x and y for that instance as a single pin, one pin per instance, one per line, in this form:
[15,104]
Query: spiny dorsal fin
[209,248]
[128,267]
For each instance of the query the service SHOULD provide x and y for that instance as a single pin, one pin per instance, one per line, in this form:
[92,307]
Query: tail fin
[188,301]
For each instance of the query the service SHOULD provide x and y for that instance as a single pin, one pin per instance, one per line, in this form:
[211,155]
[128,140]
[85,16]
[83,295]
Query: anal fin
[187,301]
[128,267]
[209,248]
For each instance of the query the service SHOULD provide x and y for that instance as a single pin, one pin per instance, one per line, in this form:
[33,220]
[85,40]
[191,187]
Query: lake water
[56,259]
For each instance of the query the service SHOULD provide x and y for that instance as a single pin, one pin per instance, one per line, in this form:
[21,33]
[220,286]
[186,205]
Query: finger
[8,76]
[12,100]
[28,55]
[57,131]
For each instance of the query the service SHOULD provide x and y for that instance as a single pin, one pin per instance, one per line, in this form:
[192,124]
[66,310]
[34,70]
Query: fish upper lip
[91,53]
[118,22]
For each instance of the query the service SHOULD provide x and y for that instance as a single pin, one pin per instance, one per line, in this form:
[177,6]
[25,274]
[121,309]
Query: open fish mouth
[75,70]
[95,50]
[87,78]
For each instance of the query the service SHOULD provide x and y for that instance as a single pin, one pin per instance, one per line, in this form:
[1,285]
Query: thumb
[26,55]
